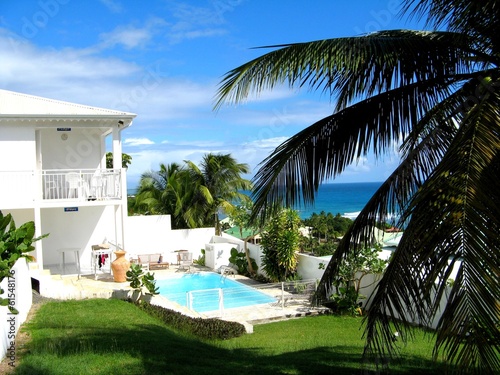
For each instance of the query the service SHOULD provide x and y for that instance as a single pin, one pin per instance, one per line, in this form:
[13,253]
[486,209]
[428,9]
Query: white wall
[79,149]
[76,229]
[20,287]
[153,234]
[17,148]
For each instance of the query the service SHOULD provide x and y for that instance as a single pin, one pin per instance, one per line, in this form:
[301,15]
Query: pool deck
[86,286]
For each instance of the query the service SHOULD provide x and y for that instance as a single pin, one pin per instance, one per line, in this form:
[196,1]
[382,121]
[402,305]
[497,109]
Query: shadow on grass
[155,349]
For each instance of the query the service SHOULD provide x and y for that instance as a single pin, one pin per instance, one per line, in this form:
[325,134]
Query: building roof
[14,104]
[235,232]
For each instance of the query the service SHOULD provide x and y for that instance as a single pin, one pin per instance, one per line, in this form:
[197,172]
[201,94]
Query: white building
[53,172]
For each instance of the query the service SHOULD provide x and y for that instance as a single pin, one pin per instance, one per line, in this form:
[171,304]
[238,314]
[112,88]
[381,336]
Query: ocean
[344,198]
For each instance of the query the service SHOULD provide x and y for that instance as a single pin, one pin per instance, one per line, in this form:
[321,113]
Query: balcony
[19,189]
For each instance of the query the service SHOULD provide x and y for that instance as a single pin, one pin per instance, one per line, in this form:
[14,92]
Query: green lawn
[114,337]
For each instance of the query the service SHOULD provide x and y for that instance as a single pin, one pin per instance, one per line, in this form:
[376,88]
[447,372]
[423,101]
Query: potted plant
[144,284]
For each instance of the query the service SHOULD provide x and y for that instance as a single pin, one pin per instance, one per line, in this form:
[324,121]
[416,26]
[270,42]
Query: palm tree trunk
[247,254]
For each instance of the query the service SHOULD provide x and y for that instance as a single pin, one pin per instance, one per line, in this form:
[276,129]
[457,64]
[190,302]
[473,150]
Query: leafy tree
[246,265]
[126,160]
[240,217]
[15,243]
[218,183]
[328,225]
[193,195]
[280,242]
[347,285]
[142,282]
[167,191]
[437,93]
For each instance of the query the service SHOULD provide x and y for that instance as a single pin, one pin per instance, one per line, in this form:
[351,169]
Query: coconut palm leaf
[351,68]
[436,94]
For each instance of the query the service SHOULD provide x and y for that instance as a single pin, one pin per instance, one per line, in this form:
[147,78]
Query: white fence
[21,188]
[214,302]
[82,184]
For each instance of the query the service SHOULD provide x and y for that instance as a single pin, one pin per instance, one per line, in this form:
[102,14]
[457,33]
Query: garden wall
[17,287]
[153,234]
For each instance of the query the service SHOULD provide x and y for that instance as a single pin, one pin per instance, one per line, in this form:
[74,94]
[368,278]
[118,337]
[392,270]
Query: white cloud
[270,143]
[138,141]
[130,36]
[113,6]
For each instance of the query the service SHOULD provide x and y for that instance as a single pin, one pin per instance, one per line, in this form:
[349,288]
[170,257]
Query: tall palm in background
[219,184]
[194,195]
[437,94]
[166,191]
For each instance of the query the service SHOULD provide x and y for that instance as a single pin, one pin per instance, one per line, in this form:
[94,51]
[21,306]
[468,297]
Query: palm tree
[166,191]
[438,94]
[218,184]
[126,160]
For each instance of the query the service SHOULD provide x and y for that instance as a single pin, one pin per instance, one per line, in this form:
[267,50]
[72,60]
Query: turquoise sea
[344,198]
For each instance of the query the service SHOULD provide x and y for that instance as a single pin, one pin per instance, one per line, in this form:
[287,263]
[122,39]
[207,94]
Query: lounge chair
[227,270]
[152,261]
[185,260]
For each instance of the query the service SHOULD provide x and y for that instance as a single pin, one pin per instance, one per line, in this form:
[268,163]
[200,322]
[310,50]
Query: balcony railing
[25,187]
[82,184]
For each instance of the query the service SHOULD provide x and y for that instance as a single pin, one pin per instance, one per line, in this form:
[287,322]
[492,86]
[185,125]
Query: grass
[114,337]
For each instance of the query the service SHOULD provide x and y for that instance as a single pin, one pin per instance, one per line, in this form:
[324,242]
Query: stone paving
[86,286]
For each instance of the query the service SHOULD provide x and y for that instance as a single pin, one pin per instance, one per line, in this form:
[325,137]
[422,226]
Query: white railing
[82,184]
[22,188]
[215,302]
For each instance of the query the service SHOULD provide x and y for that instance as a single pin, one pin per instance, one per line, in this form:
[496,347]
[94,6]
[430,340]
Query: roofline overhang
[120,120]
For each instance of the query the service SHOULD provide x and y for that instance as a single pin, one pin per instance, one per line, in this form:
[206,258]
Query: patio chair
[73,180]
[96,187]
[227,270]
[186,260]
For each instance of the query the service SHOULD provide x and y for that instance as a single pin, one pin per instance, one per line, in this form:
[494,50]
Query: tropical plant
[280,243]
[201,260]
[240,217]
[140,281]
[347,285]
[193,195]
[329,225]
[436,93]
[15,243]
[218,183]
[126,160]
[167,191]
[245,267]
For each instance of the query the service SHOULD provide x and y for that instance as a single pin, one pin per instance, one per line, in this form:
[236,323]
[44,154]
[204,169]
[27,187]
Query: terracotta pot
[120,266]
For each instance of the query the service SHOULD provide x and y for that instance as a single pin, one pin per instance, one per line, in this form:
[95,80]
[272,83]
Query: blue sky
[163,60]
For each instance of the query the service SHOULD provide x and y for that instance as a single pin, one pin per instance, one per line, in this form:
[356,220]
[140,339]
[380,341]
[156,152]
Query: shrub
[212,329]
[240,261]
[140,280]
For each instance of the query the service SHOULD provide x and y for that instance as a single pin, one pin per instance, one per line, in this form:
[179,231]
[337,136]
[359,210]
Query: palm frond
[324,149]
[351,68]
[454,218]
[391,199]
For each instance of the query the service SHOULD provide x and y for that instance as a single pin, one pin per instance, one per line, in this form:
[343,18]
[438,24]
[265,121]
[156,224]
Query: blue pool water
[206,287]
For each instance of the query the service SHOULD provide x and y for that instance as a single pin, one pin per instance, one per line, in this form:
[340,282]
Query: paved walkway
[86,286]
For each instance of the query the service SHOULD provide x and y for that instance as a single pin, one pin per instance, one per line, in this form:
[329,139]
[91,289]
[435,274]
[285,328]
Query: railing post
[189,300]
[221,302]
[282,295]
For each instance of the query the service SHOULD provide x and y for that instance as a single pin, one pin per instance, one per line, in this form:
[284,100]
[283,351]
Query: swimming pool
[208,291]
